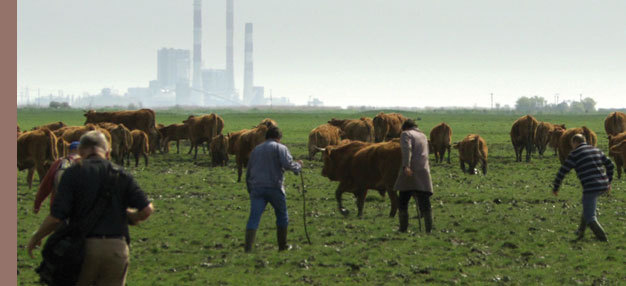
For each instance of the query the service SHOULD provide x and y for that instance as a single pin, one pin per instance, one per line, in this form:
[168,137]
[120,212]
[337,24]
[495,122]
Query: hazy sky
[345,52]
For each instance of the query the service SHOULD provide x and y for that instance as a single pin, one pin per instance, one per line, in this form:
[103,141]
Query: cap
[74,145]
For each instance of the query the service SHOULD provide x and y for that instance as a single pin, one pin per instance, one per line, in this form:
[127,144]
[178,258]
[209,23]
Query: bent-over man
[51,180]
[106,248]
[588,162]
[264,179]
[414,177]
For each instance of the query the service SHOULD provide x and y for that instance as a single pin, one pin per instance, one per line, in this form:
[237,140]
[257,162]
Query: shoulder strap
[105,194]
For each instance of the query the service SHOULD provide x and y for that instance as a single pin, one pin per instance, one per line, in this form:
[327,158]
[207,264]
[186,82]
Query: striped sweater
[587,161]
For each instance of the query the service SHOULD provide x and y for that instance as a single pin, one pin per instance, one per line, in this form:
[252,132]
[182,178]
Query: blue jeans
[589,205]
[259,198]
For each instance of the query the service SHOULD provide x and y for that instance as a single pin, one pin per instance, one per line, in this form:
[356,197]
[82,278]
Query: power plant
[183,81]
[197,98]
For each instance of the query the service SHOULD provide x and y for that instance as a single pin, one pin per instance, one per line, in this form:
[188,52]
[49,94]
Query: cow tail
[52,145]
[146,148]
[369,130]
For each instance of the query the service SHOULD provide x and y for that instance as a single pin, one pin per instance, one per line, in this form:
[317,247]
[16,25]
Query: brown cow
[52,126]
[387,126]
[617,157]
[522,136]
[36,150]
[218,149]
[359,166]
[615,123]
[619,151]
[139,146]
[565,146]
[73,133]
[543,136]
[268,122]
[440,139]
[203,129]
[143,119]
[322,136]
[472,150]
[245,143]
[355,129]
[121,140]
[173,132]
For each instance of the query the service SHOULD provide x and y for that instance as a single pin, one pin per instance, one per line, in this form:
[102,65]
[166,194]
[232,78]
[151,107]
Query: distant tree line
[537,104]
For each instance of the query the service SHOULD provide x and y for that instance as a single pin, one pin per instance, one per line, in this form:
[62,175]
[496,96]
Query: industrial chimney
[248,82]
[197,95]
[230,73]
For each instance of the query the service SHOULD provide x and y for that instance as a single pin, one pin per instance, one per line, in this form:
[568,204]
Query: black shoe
[598,231]
[428,221]
[250,234]
[403,216]
[281,235]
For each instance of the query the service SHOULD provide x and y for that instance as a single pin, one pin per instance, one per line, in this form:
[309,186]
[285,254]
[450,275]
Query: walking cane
[304,208]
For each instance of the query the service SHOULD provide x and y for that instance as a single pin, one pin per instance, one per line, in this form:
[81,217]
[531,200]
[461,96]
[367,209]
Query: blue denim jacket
[267,164]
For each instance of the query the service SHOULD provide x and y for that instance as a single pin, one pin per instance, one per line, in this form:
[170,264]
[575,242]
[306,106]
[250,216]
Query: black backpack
[64,251]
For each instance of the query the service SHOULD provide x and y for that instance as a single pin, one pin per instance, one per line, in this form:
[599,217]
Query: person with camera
[80,192]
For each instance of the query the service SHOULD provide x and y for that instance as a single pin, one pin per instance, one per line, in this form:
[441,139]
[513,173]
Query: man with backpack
[102,200]
[50,182]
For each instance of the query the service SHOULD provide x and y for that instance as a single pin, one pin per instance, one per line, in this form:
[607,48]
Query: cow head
[456,145]
[337,122]
[329,169]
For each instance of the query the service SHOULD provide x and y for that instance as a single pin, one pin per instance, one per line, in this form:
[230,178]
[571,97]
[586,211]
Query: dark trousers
[423,200]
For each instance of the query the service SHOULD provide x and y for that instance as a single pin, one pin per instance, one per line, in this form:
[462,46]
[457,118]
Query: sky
[412,53]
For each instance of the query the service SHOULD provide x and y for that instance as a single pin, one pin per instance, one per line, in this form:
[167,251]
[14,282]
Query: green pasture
[505,227]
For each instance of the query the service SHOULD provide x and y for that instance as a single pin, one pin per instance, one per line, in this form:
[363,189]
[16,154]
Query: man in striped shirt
[587,161]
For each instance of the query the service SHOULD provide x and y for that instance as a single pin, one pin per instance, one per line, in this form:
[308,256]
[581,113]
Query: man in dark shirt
[106,248]
[588,161]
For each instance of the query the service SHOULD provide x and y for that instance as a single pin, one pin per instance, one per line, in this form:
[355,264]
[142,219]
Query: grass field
[505,227]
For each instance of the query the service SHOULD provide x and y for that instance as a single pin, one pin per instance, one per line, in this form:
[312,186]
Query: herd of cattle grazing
[361,154]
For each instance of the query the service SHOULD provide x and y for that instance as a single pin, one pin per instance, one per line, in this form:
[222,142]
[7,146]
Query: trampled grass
[505,227]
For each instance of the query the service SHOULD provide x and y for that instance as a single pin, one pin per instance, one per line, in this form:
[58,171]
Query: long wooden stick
[304,208]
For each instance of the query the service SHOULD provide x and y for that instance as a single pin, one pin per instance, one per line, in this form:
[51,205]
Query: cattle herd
[361,154]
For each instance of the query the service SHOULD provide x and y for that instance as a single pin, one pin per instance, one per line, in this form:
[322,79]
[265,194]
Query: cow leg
[448,154]
[462,166]
[177,147]
[29,177]
[145,158]
[190,147]
[195,154]
[239,170]
[619,165]
[393,197]
[484,164]
[338,192]
[136,159]
[472,168]
[360,201]
[529,147]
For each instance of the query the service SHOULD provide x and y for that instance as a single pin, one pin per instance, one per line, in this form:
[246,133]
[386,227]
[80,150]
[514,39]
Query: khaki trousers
[106,262]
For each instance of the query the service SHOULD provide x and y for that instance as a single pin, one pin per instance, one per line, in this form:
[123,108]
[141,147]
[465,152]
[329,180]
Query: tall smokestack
[248,81]
[230,73]
[197,98]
